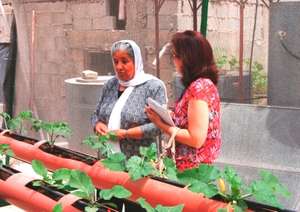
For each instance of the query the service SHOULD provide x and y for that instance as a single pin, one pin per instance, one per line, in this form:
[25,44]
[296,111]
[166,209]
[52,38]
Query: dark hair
[123,46]
[196,55]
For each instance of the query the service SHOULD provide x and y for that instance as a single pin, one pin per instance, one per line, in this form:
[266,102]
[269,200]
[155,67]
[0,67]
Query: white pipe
[162,52]
[121,15]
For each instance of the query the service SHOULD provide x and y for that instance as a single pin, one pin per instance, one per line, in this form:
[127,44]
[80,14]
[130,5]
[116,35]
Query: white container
[82,97]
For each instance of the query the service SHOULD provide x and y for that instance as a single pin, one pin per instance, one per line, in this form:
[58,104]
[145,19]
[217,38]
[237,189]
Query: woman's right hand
[101,128]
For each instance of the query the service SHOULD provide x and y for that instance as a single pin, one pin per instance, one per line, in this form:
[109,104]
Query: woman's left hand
[152,115]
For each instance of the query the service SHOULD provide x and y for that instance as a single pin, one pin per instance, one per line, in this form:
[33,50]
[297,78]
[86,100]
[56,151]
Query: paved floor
[11,208]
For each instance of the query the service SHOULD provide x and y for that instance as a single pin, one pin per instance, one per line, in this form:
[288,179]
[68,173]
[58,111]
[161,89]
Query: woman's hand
[153,116]
[120,133]
[101,128]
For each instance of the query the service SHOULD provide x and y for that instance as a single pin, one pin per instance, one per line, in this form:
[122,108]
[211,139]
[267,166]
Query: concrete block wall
[223,27]
[64,32]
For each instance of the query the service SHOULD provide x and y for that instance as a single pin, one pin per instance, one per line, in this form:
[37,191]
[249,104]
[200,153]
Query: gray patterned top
[133,114]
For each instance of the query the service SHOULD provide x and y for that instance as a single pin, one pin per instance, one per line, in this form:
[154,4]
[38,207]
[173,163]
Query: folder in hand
[161,111]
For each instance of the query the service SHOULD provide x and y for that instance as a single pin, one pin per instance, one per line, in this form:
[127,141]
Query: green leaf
[82,181]
[61,129]
[39,168]
[14,124]
[242,204]
[147,169]
[115,162]
[188,176]
[134,167]
[5,116]
[37,183]
[36,124]
[58,208]
[237,208]
[81,194]
[204,173]
[9,152]
[208,173]
[222,210]
[144,204]
[177,208]
[117,191]
[61,175]
[266,189]
[137,168]
[209,190]
[171,170]
[263,193]
[25,115]
[274,183]
[100,143]
[5,150]
[149,152]
[91,209]
[234,182]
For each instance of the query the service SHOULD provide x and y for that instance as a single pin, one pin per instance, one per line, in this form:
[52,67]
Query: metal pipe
[204,13]
[241,52]
[252,47]
[32,60]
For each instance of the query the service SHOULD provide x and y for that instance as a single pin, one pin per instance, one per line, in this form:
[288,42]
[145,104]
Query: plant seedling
[53,130]
[137,166]
[100,142]
[16,124]
[5,151]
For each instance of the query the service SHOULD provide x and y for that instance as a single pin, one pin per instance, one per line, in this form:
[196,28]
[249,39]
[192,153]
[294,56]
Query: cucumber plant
[79,184]
[210,181]
[206,179]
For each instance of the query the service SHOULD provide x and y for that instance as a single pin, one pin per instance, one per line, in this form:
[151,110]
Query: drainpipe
[194,10]
[32,60]
[204,13]
[10,72]
[156,15]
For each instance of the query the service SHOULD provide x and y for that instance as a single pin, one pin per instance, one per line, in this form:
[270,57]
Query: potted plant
[136,178]
[225,185]
[154,191]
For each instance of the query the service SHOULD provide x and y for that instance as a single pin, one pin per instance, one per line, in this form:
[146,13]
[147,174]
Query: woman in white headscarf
[123,99]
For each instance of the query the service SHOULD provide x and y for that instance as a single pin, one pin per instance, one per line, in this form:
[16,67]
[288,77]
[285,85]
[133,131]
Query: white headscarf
[140,77]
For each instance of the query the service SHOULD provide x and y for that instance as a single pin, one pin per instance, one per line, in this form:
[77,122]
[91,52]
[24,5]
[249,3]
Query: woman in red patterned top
[197,111]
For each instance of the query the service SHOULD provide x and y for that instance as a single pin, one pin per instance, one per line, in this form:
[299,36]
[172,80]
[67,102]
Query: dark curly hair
[196,55]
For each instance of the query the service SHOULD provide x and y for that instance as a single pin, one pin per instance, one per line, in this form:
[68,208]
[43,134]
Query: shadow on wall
[283,126]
